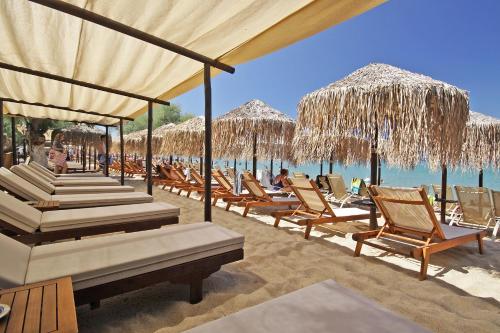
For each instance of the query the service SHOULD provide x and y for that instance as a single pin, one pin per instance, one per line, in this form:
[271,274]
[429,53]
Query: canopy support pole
[201,165]
[95,158]
[84,156]
[254,157]
[330,167]
[373,181]
[122,155]
[106,153]
[246,165]
[481,177]
[208,142]
[281,165]
[25,153]
[271,175]
[234,166]
[89,147]
[1,133]
[444,176]
[321,167]
[13,134]
[171,159]
[379,171]
[149,149]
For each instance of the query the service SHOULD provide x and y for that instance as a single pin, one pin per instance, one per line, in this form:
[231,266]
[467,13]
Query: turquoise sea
[390,176]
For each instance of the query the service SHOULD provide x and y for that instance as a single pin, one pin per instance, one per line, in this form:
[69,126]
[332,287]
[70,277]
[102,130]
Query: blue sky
[456,41]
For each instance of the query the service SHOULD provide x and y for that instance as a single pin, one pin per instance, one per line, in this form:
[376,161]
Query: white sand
[461,294]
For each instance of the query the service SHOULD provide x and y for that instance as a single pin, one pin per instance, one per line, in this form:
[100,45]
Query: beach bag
[356,185]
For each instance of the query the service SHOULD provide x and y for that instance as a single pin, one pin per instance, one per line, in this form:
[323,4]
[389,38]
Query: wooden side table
[45,206]
[41,307]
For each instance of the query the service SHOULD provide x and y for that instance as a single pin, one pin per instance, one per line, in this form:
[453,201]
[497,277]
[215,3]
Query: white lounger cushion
[100,199]
[19,214]
[93,189]
[86,217]
[22,188]
[89,181]
[321,308]
[94,261]
[54,176]
[14,258]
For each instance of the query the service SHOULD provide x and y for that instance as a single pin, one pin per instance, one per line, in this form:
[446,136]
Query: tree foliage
[162,114]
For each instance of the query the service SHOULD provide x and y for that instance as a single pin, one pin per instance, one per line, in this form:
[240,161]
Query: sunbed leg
[228,205]
[196,291]
[95,305]
[308,230]
[245,212]
[357,251]
[277,221]
[480,243]
[424,263]
[179,193]
[163,187]
[495,230]
[215,201]
[78,237]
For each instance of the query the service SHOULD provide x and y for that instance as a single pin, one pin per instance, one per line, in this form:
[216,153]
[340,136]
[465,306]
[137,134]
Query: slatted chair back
[312,199]
[222,180]
[495,198]
[407,210]
[299,175]
[300,182]
[196,177]
[253,186]
[337,186]
[231,173]
[449,195]
[475,204]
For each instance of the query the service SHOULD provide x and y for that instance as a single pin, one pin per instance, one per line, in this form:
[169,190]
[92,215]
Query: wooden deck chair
[314,209]
[339,193]
[225,191]
[258,197]
[410,219]
[298,175]
[231,173]
[477,208]
[199,184]
[495,198]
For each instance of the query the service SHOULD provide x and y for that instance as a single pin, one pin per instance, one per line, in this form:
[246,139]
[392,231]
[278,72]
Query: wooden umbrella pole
[106,153]
[271,168]
[481,177]
[254,157]
[208,142]
[321,167]
[234,166]
[149,149]
[373,180]
[379,168]
[201,165]
[444,176]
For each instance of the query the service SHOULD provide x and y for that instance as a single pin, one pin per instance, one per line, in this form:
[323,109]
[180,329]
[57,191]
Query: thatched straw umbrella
[257,125]
[407,117]
[85,136]
[157,136]
[186,138]
[135,141]
[481,147]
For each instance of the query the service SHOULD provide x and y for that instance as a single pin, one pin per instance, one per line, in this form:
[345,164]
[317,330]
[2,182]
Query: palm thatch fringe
[80,134]
[234,133]
[135,142]
[185,139]
[412,117]
[481,145]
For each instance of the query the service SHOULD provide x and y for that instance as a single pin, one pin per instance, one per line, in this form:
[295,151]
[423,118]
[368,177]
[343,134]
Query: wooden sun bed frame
[192,273]
[225,191]
[39,237]
[313,216]
[254,199]
[421,241]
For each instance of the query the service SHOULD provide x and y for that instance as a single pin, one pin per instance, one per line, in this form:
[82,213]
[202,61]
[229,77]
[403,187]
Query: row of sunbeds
[103,265]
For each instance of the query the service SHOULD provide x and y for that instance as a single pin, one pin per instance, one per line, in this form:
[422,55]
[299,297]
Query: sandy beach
[460,294]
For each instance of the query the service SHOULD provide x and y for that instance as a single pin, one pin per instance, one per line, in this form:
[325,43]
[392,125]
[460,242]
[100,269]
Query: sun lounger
[298,175]
[339,193]
[258,197]
[70,181]
[44,185]
[410,219]
[225,190]
[105,266]
[477,207]
[324,307]
[30,226]
[26,191]
[452,209]
[314,209]
[49,173]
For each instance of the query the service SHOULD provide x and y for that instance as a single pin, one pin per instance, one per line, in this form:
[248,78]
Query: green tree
[162,114]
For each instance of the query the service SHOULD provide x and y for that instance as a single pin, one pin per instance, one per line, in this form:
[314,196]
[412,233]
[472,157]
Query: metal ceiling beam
[79,83]
[104,21]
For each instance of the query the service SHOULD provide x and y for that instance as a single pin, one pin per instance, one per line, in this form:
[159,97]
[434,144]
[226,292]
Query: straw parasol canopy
[409,117]
[481,147]
[134,142]
[186,138]
[157,137]
[80,134]
[236,131]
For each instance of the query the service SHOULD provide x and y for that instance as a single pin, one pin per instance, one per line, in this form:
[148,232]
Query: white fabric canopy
[233,32]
